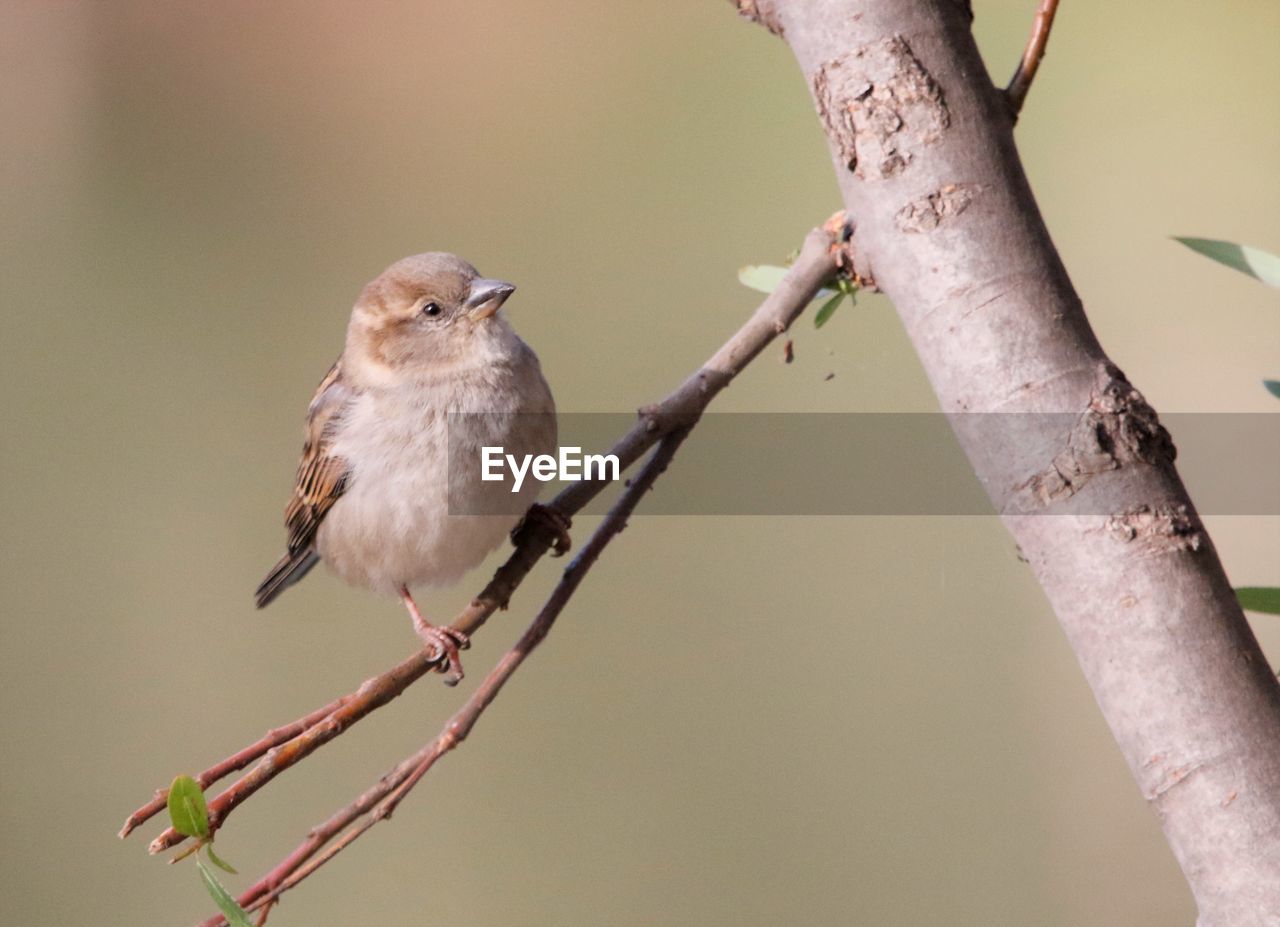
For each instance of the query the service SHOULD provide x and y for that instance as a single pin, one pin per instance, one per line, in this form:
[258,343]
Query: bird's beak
[487,297]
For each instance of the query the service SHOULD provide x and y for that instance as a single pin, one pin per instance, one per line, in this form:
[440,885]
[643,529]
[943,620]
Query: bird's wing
[322,476]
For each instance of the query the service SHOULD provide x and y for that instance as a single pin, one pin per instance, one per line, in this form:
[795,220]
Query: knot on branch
[879,106]
[1127,421]
[926,213]
[839,231]
[1118,428]
[1159,529]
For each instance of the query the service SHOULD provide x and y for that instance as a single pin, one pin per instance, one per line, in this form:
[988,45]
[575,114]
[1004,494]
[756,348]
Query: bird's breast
[409,513]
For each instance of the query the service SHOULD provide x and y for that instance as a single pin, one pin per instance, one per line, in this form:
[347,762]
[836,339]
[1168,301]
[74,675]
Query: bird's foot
[551,518]
[444,639]
[448,641]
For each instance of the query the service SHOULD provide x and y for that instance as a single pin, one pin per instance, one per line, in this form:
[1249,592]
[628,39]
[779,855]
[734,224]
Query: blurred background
[191,196]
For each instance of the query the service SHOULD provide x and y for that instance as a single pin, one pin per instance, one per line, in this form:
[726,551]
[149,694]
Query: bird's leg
[446,638]
[550,517]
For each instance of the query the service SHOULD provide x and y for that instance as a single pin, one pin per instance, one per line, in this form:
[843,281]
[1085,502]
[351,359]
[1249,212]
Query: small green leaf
[187,810]
[762,277]
[827,310]
[1260,599]
[218,860]
[1273,387]
[230,908]
[1248,260]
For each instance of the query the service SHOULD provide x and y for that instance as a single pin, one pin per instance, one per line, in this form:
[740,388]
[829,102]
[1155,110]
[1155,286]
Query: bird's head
[429,312]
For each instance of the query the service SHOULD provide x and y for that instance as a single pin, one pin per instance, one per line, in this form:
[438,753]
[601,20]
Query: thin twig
[236,761]
[378,803]
[1016,93]
[815,264]
[372,693]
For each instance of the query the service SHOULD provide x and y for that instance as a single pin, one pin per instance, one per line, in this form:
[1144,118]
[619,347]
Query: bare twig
[237,761]
[815,264]
[380,801]
[373,694]
[1016,92]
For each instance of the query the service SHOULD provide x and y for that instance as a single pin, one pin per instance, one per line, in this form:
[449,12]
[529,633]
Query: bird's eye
[431,309]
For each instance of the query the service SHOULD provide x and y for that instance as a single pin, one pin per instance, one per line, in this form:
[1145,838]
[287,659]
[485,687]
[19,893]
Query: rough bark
[948,227]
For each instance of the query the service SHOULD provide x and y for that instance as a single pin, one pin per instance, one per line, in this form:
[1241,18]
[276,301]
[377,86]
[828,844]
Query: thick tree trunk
[947,226]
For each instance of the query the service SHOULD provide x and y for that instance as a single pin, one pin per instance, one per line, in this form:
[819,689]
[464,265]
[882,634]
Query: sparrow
[430,365]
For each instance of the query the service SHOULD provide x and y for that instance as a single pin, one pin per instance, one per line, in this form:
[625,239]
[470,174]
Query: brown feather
[320,481]
[321,477]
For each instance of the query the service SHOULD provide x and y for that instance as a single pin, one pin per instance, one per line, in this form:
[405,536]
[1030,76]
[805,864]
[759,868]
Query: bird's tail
[290,569]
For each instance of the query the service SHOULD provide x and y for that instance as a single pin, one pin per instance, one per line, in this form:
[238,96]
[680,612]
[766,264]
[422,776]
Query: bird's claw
[448,641]
[551,518]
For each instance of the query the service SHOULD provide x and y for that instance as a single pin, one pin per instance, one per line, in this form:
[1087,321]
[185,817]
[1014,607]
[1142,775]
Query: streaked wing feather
[322,477]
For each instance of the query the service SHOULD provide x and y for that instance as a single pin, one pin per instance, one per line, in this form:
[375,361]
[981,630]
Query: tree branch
[923,151]
[822,253]
[236,761]
[1016,92]
[378,803]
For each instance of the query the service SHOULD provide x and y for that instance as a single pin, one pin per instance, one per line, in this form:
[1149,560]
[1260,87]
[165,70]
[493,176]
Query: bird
[388,492]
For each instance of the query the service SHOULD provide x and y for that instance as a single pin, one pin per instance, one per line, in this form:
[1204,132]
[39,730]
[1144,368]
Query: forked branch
[378,803]
[820,258]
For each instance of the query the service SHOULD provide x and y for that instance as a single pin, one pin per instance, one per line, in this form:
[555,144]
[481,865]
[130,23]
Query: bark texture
[947,225]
